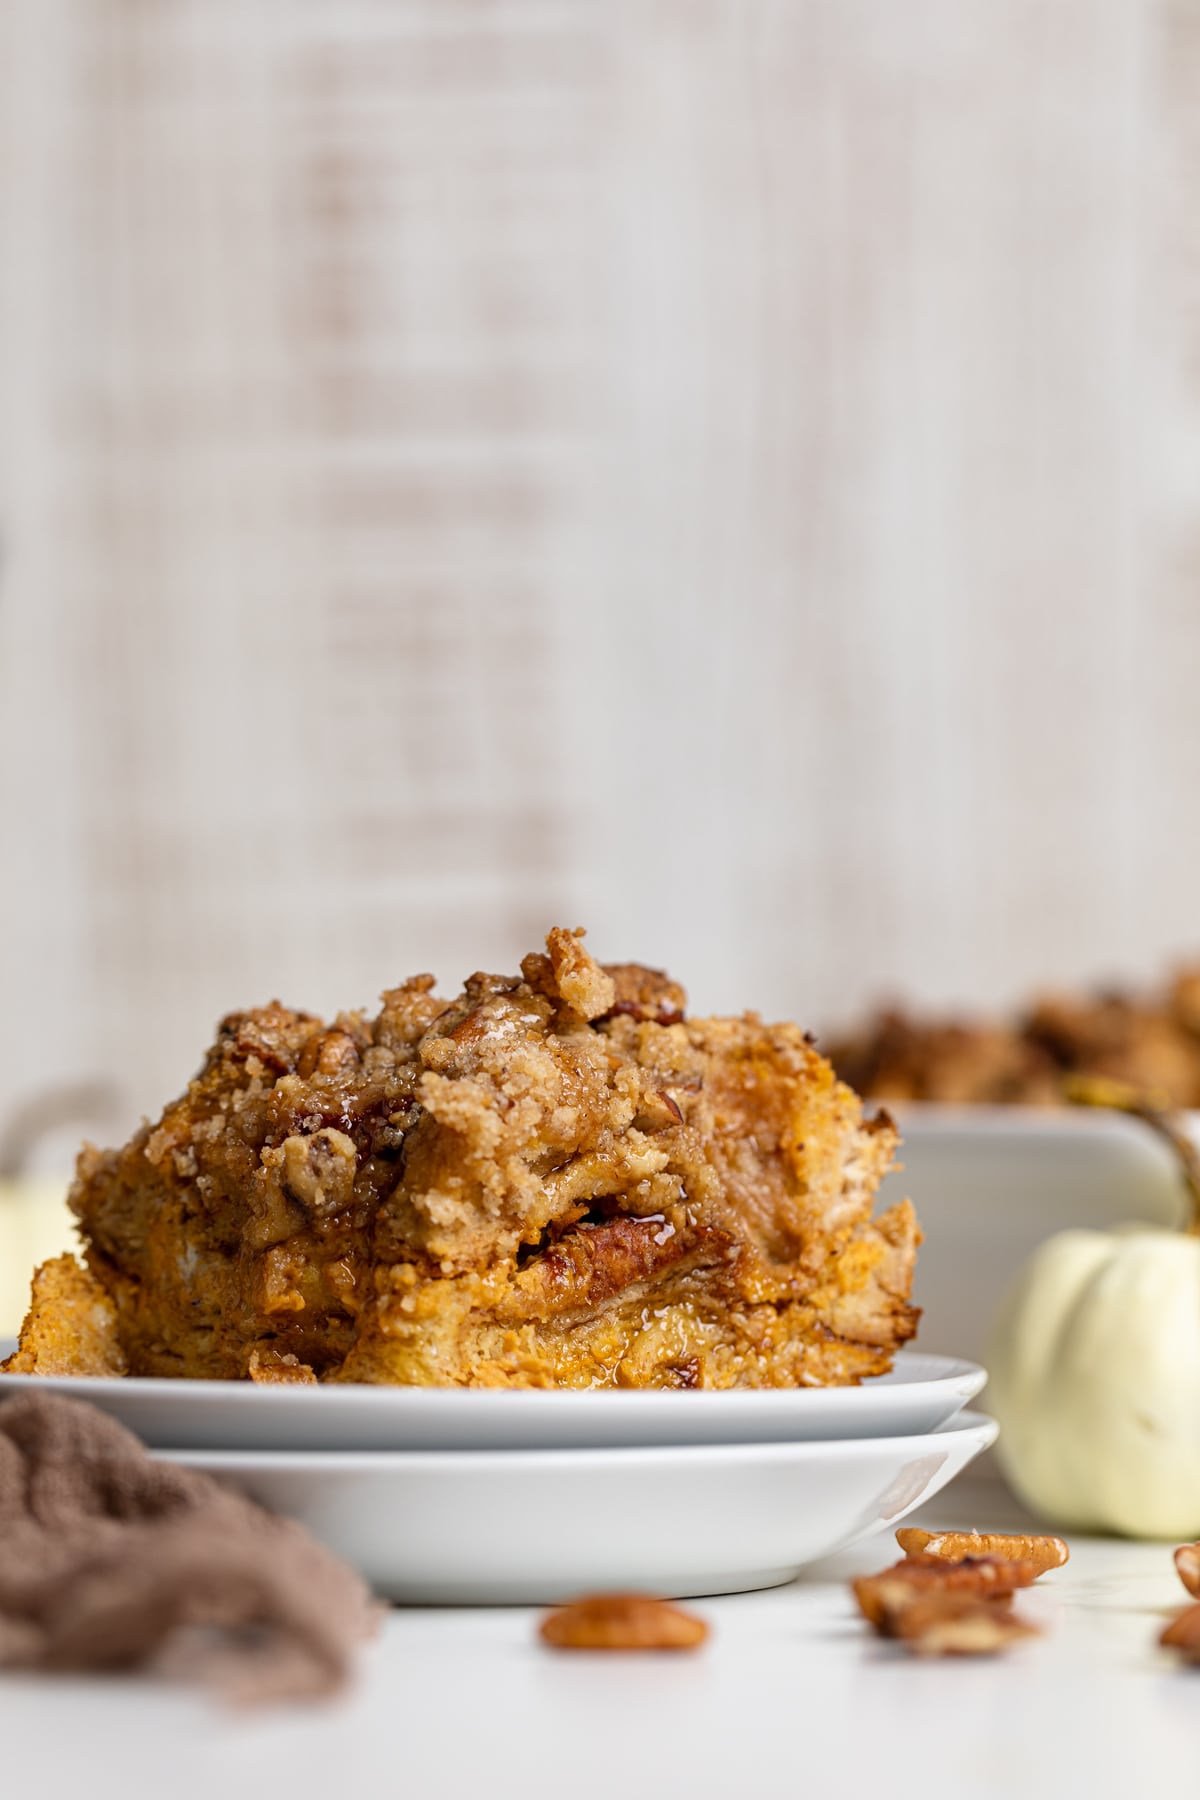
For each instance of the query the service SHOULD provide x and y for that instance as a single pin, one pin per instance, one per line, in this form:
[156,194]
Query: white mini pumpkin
[1094,1374]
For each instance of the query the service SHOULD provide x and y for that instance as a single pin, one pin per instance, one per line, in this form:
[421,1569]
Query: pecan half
[622,1622]
[949,1624]
[1187,1561]
[982,1577]
[1183,1634]
[952,1546]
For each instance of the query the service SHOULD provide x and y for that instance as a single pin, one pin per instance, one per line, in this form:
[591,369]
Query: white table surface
[791,1695]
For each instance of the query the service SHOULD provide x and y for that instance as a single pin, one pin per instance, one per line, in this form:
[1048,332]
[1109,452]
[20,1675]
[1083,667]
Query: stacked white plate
[475,1497]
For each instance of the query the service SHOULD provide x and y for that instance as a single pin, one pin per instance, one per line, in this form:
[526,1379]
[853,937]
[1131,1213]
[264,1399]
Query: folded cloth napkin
[110,1560]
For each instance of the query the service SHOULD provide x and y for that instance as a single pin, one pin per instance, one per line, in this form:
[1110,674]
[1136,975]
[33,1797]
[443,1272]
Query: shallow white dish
[991,1182]
[920,1393]
[509,1527]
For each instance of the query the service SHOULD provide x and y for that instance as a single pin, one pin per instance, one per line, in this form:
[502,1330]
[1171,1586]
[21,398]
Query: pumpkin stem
[1119,1096]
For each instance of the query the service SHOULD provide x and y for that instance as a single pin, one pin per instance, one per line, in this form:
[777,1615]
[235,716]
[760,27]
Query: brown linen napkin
[109,1561]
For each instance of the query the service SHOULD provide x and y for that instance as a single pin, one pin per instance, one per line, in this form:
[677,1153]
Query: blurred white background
[725,472]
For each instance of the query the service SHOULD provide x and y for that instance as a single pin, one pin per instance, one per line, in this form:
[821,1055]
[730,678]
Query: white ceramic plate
[523,1527]
[919,1394]
[991,1182]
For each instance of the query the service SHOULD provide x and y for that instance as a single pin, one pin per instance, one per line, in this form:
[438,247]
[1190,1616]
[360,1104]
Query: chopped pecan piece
[1187,1561]
[642,993]
[1183,1634]
[274,1366]
[622,1622]
[327,1053]
[319,1172]
[952,1546]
